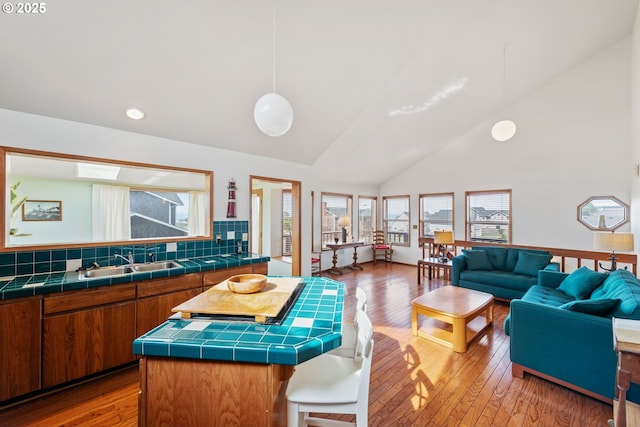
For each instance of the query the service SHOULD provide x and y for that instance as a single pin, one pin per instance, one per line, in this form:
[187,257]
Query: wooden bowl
[246,283]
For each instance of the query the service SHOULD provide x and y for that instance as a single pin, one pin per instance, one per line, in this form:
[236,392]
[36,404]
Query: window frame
[421,220]
[338,232]
[284,243]
[385,221]
[469,224]
[363,233]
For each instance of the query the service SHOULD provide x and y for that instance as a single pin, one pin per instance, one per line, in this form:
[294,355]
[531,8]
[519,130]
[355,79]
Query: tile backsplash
[61,259]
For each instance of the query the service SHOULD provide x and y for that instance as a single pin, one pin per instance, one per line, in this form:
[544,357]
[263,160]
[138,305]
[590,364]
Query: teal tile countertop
[39,284]
[312,327]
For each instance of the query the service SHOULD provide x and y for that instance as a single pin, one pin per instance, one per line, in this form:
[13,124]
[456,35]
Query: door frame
[296,202]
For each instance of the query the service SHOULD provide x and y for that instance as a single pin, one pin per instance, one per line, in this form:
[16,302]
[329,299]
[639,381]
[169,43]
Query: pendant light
[273,113]
[504,129]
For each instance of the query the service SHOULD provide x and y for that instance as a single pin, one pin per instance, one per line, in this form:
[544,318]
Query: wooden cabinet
[211,393]
[87,331]
[20,332]
[214,277]
[157,297]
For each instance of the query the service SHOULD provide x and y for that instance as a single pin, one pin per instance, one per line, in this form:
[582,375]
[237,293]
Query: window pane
[333,207]
[396,219]
[286,222]
[157,214]
[489,216]
[367,220]
[436,213]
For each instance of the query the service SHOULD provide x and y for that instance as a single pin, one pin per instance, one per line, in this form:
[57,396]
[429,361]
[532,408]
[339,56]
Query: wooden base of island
[187,392]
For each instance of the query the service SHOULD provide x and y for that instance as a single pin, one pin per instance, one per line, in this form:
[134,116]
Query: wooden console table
[626,342]
[335,246]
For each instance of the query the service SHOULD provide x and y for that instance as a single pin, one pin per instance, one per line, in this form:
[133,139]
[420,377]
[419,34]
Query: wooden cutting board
[219,300]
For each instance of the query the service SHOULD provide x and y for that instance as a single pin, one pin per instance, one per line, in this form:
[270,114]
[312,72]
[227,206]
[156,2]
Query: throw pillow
[477,259]
[529,263]
[581,282]
[597,307]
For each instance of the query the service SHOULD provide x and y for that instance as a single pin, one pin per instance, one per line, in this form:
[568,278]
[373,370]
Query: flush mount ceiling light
[273,113]
[97,171]
[135,113]
[504,129]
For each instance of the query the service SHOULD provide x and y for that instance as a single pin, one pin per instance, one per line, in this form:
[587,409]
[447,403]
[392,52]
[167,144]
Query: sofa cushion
[530,263]
[581,282]
[621,284]
[477,259]
[597,307]
[499,279]
[547,296]
[497,256]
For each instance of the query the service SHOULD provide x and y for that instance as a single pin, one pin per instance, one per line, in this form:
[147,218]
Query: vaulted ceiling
[376,85]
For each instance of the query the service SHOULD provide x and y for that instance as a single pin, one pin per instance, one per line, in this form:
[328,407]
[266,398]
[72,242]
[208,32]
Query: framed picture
[42,210]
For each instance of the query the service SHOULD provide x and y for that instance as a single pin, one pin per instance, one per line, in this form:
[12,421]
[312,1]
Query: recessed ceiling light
[135,113]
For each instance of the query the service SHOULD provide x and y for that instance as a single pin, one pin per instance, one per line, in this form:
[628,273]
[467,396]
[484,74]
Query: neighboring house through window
[333,207]
[367,217]
[436,213]
[396,219]
[488,216]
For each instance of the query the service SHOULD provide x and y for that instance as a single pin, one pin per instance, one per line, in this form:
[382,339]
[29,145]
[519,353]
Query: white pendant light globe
[503,130]
[273,114]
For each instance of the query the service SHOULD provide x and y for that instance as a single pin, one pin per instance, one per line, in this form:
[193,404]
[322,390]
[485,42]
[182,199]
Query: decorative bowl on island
[246,283]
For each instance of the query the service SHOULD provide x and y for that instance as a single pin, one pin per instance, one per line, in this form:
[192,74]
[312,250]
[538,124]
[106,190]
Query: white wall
[48,134]
[573,141]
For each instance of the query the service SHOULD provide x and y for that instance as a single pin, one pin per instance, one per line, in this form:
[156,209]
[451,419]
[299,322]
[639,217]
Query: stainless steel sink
[126,269]
[153,266]
[105,272]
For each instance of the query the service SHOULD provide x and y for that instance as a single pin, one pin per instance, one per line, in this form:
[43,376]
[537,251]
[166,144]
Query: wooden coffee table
[454,316]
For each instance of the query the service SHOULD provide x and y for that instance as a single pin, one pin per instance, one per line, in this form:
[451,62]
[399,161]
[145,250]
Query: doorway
[275,223]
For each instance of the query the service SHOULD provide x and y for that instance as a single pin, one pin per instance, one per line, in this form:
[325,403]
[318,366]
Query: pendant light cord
[274,46]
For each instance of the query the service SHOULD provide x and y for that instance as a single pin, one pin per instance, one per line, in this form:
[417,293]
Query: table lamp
[443,238]
[344,221]
[613,242]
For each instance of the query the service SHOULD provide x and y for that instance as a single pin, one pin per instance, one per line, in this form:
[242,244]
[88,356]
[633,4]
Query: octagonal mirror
[603,213]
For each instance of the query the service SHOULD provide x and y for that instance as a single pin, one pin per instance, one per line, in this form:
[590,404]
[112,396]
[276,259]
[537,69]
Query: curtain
[110,213]
[196,213]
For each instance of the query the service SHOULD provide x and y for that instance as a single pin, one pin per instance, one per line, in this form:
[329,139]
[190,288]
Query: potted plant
[16,204]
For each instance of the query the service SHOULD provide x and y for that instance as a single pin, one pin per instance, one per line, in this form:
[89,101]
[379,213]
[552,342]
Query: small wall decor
[42,210]
[231,203]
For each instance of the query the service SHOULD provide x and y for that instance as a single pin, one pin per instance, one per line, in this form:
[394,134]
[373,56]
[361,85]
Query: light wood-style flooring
[414,382]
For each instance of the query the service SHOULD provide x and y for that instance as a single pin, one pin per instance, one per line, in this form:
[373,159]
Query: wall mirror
[59,200]
[603,213]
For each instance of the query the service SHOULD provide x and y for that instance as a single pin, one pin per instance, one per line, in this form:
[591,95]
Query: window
[286,222]
[333,207]
[436,213]
[395,219]
[603,213]
[367,217]
[488,216]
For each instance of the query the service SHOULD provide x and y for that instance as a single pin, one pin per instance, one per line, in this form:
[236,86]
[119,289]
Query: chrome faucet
[128,259]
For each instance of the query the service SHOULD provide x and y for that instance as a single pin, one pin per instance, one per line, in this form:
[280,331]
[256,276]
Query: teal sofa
[561,329]
[506,273]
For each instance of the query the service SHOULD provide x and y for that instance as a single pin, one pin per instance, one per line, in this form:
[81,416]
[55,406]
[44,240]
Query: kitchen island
[234,372]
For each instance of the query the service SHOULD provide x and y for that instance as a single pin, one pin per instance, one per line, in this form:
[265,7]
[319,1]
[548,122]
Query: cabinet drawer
[75,300]
[170,284]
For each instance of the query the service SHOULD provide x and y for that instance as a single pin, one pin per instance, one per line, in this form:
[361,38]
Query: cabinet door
[155,310]
[84,342]
[20,334]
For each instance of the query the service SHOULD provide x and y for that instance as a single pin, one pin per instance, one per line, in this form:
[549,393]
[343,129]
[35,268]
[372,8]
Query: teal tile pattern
[39,284]
[312,327]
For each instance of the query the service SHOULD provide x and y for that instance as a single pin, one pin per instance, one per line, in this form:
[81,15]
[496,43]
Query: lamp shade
[344,221]
[443,237]
[503,130]
[273,114]
[613,241]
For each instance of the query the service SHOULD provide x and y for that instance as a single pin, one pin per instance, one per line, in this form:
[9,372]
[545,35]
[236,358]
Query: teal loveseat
[506,273]
[561,329]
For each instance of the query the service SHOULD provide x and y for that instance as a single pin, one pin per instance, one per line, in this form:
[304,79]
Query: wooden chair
[330,384]
[381,247]
[316,263]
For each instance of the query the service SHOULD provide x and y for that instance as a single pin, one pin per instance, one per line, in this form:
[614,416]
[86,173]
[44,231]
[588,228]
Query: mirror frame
[4,151]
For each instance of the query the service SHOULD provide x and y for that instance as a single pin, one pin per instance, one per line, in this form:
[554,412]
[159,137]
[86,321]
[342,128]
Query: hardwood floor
[414,382]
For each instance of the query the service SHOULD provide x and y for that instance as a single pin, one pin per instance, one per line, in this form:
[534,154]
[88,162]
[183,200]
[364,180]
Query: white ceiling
[376,85]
